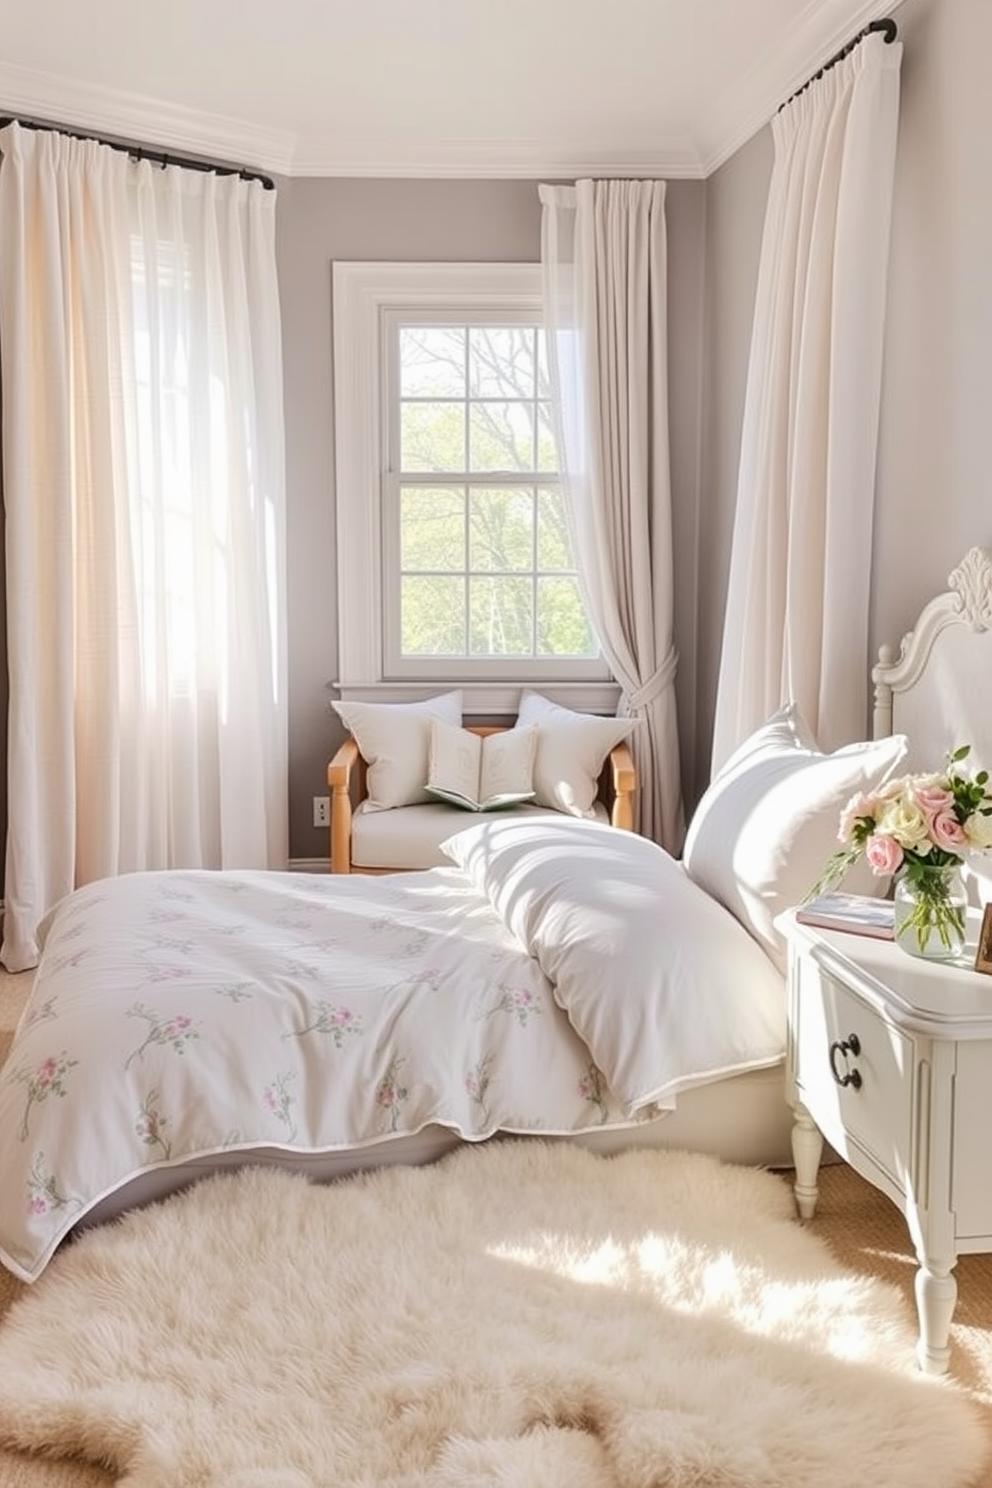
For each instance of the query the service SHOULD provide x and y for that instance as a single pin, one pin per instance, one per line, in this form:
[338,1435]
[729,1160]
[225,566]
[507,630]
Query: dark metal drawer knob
[843,1048]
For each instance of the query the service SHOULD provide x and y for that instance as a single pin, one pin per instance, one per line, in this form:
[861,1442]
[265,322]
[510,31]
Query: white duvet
[178,1016]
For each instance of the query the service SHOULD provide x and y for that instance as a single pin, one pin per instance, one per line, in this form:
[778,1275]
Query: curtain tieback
[661,678]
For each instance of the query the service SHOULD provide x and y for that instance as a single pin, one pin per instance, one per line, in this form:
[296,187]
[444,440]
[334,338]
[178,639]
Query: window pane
[547,448]
[432,528]
[501,617]
[432,362]
[501,436]
[432,616]
[562,626]
[432,436]
[501,362]
[554,541]
[543,379]
[501,530]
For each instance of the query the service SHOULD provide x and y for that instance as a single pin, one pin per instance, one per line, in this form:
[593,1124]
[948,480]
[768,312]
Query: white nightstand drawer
[909,1106]
[854,1071]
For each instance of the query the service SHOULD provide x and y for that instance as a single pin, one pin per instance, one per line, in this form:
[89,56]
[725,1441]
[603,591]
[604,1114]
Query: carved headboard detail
[973,581]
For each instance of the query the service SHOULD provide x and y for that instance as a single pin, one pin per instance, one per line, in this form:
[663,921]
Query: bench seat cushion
[410,836]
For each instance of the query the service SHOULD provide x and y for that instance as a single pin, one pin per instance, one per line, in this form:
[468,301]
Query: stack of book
[858,913]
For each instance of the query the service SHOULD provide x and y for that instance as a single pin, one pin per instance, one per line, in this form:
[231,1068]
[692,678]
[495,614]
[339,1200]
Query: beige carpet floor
[865,1231]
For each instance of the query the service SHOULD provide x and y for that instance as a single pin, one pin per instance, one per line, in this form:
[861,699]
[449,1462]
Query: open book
[858,913]
[481,773]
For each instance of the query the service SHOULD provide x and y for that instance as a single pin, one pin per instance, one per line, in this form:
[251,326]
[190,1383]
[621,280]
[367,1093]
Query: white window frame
[363,294]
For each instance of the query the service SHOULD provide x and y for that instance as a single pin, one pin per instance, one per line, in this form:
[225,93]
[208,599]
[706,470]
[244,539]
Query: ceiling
[526,88]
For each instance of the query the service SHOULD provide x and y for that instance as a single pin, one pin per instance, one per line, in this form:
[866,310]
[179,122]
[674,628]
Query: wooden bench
[346,776]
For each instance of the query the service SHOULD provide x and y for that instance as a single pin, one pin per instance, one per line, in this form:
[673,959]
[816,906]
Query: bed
[576,983]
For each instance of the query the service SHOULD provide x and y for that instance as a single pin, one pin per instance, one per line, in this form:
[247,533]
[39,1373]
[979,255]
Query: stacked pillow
[571,751]
[394,741]
[762,833]
[406,760]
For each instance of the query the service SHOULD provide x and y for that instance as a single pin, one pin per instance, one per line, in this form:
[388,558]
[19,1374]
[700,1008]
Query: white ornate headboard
[938,690]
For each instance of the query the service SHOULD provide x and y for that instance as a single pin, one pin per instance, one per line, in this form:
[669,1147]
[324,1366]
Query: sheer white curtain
[143,480]
[604,262]
[796,620]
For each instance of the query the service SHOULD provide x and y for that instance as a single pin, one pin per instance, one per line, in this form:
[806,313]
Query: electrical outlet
[322,811]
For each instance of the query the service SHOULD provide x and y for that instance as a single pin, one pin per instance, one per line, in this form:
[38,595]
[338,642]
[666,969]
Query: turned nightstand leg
[807,1149]
[936,1295]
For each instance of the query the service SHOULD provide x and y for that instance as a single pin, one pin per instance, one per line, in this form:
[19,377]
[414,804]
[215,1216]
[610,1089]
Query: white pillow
[662,985]
[394,741]
[481,772]
[762,833]
[571,750]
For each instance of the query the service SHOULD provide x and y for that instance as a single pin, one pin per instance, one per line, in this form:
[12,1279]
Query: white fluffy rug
[522,1315]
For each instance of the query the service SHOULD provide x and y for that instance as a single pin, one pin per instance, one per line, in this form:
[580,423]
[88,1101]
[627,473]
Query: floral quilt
[180,1015]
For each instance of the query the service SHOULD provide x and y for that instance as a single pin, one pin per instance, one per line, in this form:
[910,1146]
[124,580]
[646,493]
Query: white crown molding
[677,158]
[816,34]
[125,116]
[116,114]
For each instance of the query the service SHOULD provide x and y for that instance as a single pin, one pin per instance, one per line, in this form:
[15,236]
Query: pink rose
[932,798]
[884,854]
[947,832]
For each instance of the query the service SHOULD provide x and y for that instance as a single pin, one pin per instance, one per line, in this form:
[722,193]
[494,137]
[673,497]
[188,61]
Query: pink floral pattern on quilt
[180,1015]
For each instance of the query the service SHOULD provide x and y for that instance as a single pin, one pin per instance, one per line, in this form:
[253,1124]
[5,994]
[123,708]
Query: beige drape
[796,623]
[604,262]
[144,493]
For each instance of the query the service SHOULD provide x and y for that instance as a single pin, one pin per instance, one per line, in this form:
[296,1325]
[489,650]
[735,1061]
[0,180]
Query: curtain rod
[141,152]
[887,24]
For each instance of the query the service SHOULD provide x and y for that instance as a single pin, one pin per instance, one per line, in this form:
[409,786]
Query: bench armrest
[624,778]
[342,771]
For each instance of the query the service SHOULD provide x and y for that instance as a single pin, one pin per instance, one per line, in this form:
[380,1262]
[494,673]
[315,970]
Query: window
[455,556]
[478,553]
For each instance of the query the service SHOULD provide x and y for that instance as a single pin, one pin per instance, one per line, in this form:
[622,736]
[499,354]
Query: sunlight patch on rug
[520,1315]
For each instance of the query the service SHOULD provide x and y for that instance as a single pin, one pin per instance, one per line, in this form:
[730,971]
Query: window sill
[482,699]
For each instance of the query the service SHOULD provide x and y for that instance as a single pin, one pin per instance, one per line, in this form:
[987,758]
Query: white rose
[905,822]
[895,789]
[932,780]
[978,830]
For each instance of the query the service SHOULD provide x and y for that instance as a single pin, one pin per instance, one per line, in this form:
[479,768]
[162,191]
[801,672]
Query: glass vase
[930,906]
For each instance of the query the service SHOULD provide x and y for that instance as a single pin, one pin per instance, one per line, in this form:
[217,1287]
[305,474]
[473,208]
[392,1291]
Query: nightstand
[890,1059]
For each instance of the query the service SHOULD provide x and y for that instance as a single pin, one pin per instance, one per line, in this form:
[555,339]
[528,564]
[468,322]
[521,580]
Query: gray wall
[498,221]
[934,497]
[935,440]
[735,213]
[934,469]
